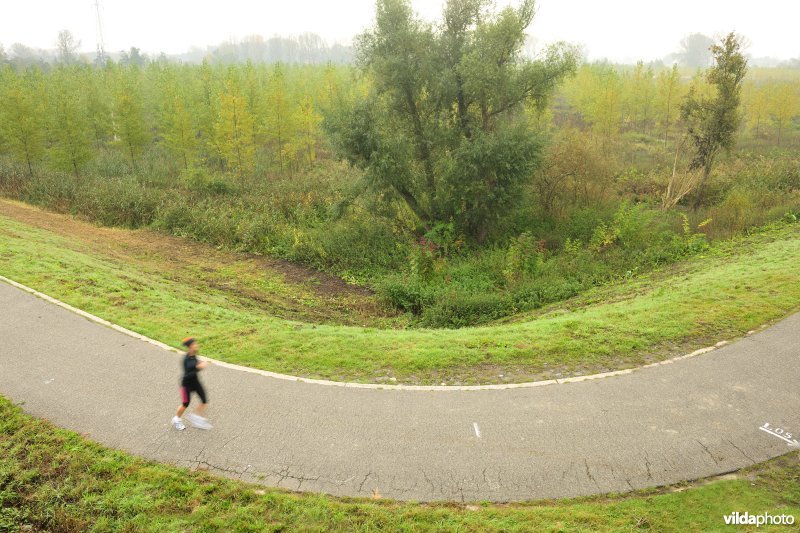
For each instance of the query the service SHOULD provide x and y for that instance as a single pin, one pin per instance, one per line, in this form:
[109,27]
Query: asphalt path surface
[695,418]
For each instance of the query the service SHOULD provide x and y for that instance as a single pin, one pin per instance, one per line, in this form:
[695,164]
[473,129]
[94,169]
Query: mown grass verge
[53,479]
[736,286]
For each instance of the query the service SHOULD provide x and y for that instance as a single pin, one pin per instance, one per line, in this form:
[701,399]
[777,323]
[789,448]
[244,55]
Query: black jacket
[190,369]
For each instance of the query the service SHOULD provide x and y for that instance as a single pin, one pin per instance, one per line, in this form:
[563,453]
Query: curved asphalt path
[694,418]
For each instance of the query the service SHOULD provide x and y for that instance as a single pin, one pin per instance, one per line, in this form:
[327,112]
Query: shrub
[735,213]
[354,247]
[53,190]
[524,257]
[407,295]
[12,178]
[201,180]
[689,242]
[456,310]
[581,223]
[117,202]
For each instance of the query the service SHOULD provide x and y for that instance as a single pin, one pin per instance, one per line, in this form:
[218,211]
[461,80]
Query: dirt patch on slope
[313,296]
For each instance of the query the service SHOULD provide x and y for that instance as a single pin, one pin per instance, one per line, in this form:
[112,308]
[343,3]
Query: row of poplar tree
[225,117]
[233,118]
[611,99]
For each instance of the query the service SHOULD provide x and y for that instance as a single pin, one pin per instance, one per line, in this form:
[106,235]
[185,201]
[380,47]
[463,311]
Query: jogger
[191,383]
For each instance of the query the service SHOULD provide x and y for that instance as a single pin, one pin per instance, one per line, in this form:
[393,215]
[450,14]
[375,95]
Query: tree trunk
[462,108]
[133,159]
[413,204]
[422,145]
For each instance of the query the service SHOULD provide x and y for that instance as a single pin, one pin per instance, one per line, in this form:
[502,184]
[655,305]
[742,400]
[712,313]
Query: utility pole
[101,48]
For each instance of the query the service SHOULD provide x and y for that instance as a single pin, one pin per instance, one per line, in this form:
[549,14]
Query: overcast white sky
[621,30]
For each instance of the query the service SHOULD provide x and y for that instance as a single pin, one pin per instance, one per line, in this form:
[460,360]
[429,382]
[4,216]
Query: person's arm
[201,365]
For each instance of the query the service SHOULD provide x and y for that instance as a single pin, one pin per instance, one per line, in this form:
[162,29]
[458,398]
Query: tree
[641,96]
[98,104]
[330,88]
[67,47]
[25,56]
[129,124]
[668,90]
[310,47]
[134,56]
[309,121]
[782,106]
[597,93]
[234,129]
[574,172]
[696,50]
[444,129]
[179,131]
[253,91]
[22,116]
[756,107]
[207,112]
[280,119]
[712,120]
[70,131]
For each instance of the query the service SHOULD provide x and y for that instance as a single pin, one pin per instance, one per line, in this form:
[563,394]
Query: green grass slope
[735,287]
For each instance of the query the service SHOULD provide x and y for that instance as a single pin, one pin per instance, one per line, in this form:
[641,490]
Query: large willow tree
[443,128]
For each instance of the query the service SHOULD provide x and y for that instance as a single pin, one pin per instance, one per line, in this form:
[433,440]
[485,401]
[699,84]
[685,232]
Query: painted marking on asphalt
[477,429]
[781,434]
[48,381]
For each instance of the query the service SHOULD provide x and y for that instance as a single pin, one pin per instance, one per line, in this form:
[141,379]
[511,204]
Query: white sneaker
[178,423]
[199,422]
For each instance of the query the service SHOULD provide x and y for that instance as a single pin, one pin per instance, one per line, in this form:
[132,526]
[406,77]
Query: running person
[189,384]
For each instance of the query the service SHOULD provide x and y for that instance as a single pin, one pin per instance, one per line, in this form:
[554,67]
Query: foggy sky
[620,30]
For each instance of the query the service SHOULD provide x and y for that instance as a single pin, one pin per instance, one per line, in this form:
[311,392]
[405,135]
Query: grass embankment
[240,310]
[53,479]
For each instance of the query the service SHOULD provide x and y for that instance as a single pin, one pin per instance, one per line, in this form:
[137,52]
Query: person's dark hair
[188,341]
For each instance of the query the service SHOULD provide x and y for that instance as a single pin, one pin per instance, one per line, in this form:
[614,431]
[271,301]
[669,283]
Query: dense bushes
[473,288]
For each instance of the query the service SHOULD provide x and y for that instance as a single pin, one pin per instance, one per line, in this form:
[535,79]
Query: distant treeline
[304,49]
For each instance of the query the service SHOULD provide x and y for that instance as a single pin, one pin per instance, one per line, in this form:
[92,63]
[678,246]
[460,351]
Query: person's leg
[201,392]
[197,419]
[185,401]
[176,420]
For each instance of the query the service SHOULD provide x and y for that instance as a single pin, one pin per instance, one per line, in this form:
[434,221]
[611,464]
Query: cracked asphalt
[694,418]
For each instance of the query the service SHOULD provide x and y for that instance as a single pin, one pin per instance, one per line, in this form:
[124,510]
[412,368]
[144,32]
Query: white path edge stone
[350,384]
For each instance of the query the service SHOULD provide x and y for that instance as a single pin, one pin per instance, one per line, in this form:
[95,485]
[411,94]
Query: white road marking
[787,438]
[49,381]
[477,430]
